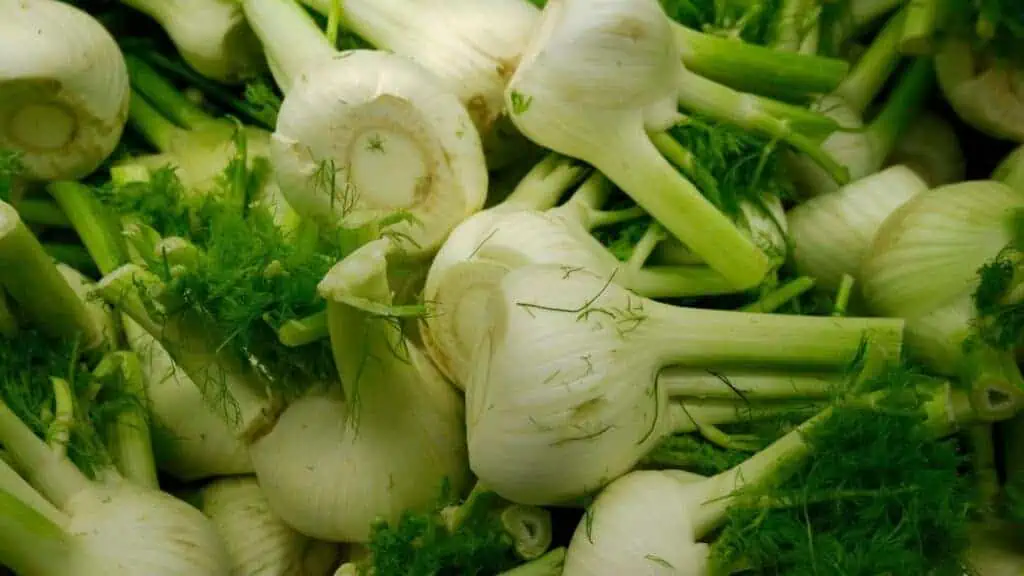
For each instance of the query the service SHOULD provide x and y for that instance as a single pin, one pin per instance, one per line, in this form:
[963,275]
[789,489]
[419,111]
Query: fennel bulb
[832,233]
[384,447]
[983,89]
[212,36]
[111,525]
[471,46]
[363,135]
[564,397]
[190,441]
[653,522]
[257,541]
[931,148]
[513,234]
[924,266]
[596,77]
[63,89]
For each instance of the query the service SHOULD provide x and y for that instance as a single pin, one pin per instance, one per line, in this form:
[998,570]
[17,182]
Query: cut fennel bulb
[596,77]
[363,135]
[63,89]
[831,233]
[485,246]
[212,36]
[983,89]
[563,395]
[924,266]
[257,541]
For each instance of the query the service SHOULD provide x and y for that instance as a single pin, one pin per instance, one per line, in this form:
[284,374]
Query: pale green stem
[704,416]
[758,69]
[688,164]
[983,465]
[653,235]
[159,131]
[780,296]
[550,564]
[902,107]
[455,516]
[42,213]
[295,333]
[93,223]
[290,37]
[945,412]
[63,416]
[54,476]
[165,97]
[874,67]
[42,294]
[843,295]
[744,385]
[128,436]
[333,22]
[546,183]
[749,112]
[791,30]
[1011,170]
[29,542]
[236,391]
[13,484]
[919,27]
[8,323]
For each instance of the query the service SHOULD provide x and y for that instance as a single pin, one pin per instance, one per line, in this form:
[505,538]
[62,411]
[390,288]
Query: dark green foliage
[880,496]
[1000,321]
[749,21]
[420,545]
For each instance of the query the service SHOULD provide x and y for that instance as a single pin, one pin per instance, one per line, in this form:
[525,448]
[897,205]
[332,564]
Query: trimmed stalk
[128,437]
[539,413]
[93,223]
[43,295]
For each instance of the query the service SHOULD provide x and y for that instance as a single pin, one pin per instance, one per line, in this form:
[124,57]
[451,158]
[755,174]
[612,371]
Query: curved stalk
[63,91]
[535,426]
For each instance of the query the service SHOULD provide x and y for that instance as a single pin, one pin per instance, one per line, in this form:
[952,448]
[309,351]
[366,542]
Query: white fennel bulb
[472,46]
[257,541]
[342,456]
[924,266]
[383,445]
[596,77]
[212,36]
[931,148]
[512,234]
[363,134]
[831,233]
[564,394]
[190,441]
[983,89]
[63,89]
[653,522]
[863,145]
[95,528]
